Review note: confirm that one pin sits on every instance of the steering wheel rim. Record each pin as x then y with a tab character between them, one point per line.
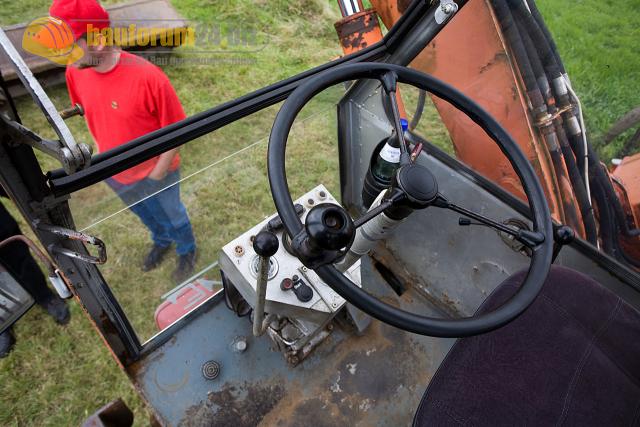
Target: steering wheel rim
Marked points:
541	255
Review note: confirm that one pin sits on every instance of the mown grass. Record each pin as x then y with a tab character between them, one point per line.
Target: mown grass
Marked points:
599	42
59	376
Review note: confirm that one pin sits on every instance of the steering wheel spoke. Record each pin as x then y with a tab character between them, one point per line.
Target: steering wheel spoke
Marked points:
531	239
385	204
390	84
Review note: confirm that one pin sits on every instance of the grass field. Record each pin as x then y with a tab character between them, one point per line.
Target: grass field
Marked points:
59	376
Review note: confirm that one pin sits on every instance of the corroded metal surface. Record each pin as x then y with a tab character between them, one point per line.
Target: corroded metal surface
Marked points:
626	180
373	379
358	31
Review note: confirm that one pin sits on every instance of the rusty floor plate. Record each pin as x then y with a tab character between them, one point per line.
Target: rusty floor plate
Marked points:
374	379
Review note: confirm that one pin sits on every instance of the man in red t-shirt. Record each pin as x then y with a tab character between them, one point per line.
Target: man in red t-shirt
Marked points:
124	97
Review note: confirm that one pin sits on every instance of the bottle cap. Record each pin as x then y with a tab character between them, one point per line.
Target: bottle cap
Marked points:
405	124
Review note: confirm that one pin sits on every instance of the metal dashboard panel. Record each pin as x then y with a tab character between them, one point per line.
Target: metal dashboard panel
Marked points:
239	263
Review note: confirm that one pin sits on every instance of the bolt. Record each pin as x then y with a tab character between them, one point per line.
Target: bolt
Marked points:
447	8
334	304
240	345
330	327
304	268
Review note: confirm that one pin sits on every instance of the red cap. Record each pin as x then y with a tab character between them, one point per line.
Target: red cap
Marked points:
80	13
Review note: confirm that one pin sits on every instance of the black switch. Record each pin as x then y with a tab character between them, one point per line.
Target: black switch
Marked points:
275	224
302	290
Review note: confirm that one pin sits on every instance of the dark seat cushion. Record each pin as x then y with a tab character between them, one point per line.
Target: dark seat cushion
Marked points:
572	358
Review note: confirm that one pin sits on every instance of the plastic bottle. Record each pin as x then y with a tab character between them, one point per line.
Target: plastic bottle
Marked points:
383	168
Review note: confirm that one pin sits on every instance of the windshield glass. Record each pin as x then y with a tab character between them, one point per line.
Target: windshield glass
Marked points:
220	189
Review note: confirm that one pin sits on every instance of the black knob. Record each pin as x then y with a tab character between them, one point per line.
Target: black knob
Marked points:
419	185
302	291
265	244
329	227
563	235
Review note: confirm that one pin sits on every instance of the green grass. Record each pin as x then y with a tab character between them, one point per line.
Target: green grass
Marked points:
599	42
59	376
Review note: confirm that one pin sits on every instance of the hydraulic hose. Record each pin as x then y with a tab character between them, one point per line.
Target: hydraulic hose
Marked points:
579	188
536	65
540	21
422	97
547	56
613	221
534	52
543	103
577	183
518	48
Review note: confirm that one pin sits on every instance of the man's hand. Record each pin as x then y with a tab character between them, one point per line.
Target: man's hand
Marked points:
157	174
164	161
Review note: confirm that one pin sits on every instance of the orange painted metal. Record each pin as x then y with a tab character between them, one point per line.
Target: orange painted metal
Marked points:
359	31
626	180
470	54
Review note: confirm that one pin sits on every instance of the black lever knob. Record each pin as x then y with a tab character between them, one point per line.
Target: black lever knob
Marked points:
329	227
266	244
562	235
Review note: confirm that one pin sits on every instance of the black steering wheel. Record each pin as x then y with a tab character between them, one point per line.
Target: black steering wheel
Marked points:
329	230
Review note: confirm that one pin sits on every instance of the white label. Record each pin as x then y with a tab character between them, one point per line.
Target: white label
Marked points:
390	154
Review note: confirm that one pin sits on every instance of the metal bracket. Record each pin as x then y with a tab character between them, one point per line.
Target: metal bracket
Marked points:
75	235
447	9
73	156
548	119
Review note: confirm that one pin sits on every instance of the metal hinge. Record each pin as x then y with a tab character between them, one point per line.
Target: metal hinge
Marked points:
72	156
75	235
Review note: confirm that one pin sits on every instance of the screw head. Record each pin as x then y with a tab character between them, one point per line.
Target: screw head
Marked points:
211	370
240	346
447	8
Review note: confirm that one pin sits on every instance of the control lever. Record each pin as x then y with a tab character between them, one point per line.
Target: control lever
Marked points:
562	235
265	244
275	224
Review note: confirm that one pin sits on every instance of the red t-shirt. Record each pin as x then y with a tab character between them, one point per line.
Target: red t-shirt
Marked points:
131	100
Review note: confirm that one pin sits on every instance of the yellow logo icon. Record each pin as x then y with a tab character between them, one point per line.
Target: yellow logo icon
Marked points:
51	38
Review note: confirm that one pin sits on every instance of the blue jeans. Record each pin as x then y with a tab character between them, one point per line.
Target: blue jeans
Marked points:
163	214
